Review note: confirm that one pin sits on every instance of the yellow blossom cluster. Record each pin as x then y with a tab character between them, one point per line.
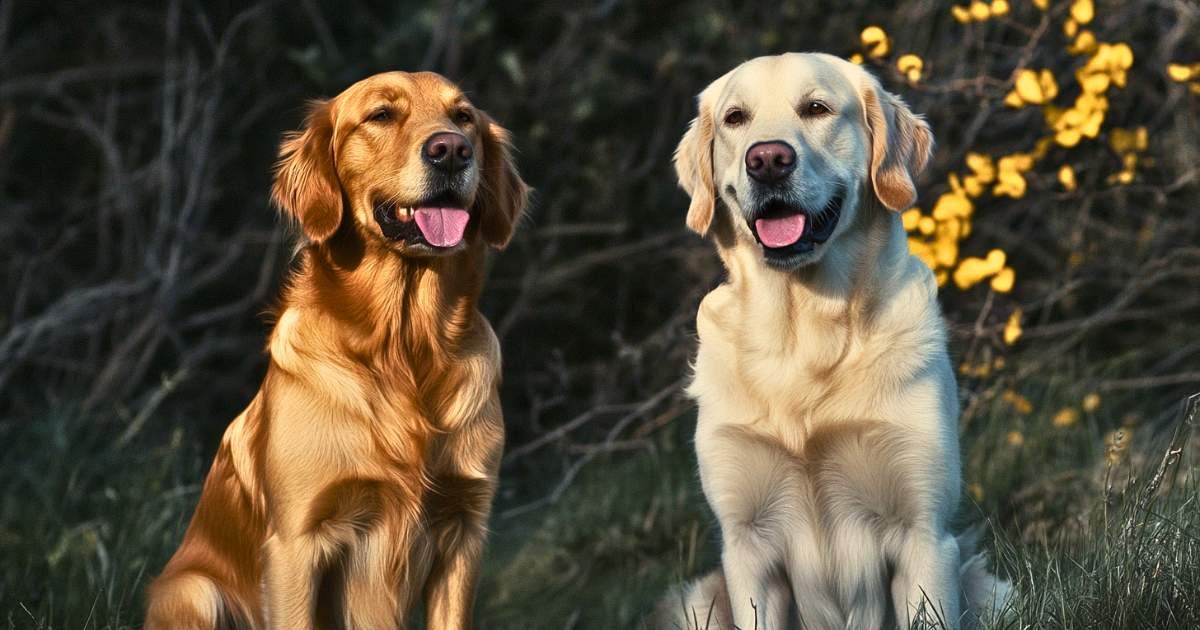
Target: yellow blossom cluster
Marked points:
1069	416
1012	328
979	11
1185	73
982	369
1032	88
1019	403
935	238
876	45
1128	144
910	66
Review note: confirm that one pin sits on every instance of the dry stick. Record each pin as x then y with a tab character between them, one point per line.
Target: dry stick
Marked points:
578	464
1146	382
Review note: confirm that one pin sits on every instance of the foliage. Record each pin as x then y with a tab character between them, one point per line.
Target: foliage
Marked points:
1061	213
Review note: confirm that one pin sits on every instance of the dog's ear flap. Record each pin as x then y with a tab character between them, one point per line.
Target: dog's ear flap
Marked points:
306	184
503	195
901	145
694	167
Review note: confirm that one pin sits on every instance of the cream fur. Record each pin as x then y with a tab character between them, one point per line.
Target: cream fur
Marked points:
827	433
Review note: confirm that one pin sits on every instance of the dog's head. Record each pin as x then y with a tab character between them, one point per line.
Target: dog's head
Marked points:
409	160
790	145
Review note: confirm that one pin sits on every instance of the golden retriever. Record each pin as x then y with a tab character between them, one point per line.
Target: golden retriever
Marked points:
827	432
360	478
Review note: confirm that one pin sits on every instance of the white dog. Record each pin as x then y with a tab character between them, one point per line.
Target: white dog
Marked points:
827	432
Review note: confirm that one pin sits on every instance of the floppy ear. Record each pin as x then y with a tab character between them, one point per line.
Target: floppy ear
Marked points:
901	144
502	193
306	184
694	167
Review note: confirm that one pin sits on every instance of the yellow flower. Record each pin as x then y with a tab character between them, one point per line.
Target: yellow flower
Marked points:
1068	137
971	271
999	7
979	11
961	14
1015	438
1003	281
856	59
1084	43
950	205
1066	177
1042	4
945	248
910	66
1180	72
926	225
1065	417
1128	140
1011	183
982	166
1070	27
1082	11
876	42
1018	402
1036	88
909	218
1042	147
922	251
1012	328
1091	402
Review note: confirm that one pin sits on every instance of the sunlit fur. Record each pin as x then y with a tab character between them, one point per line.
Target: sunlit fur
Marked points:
359	479
827	433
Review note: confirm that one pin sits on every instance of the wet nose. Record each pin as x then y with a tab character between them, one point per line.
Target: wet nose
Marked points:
448	152
769	162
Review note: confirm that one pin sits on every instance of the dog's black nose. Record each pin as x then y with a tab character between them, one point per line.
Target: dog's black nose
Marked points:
769	162
448	152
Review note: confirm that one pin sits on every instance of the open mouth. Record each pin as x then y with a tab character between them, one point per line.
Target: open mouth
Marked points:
440	222
786	230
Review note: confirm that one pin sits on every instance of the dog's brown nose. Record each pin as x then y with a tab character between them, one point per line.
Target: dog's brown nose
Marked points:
448	152
769	162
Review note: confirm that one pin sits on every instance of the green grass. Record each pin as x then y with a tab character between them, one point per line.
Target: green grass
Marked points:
84	525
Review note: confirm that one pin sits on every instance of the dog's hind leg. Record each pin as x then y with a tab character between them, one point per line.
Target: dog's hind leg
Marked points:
192	601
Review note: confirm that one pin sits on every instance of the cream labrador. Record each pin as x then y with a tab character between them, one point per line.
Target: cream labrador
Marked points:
827	433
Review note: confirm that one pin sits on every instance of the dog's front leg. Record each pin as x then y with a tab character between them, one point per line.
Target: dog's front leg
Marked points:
450	591
925	585
291	582
458	511
752	486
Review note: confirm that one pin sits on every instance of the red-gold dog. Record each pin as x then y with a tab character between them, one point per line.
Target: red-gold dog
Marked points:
361	476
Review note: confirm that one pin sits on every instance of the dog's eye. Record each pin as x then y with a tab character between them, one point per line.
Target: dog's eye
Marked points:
815	108
735	117
463	117
381	114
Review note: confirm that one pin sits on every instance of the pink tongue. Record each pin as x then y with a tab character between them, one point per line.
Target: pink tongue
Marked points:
442	227
780	232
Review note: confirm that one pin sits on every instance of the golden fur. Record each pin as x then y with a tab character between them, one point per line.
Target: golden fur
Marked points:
827	431
359	480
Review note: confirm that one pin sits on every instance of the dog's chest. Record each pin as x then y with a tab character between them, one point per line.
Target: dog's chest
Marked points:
798	370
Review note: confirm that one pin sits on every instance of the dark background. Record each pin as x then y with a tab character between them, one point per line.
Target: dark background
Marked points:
139	256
